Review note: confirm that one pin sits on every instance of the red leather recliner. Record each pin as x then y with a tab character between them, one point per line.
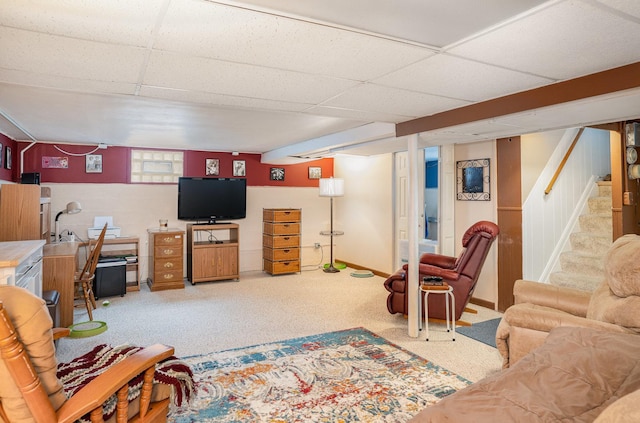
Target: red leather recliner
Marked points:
461	273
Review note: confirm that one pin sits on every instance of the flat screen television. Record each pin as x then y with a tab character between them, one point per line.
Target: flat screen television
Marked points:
208	200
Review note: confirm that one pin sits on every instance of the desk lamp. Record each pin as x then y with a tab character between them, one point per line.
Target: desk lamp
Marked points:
331	187
72	208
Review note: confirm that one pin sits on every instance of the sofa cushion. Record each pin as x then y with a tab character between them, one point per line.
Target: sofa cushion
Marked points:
572	377
32	321
617	299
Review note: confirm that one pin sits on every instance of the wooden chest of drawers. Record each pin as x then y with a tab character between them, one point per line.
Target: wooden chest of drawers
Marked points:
281	240
166	259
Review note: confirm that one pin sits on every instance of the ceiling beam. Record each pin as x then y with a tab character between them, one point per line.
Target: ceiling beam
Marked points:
605	82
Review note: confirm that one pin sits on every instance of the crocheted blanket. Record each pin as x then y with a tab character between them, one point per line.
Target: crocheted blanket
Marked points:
82	370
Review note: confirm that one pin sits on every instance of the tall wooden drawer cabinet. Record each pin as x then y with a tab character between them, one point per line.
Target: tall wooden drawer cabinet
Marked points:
166	270
281	240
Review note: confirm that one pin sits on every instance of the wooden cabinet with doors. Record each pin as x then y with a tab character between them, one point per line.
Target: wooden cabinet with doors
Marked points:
165	259
20	217
281	240
213	252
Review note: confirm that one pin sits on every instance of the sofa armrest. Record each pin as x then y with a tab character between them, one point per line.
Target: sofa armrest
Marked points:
543	319
568	300
438	260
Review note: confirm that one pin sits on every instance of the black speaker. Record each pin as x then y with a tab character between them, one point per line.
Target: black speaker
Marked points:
30	178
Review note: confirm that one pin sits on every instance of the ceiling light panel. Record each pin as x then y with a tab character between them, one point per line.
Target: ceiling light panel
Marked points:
215	76
128	22
460	78
377	98
568	39
217	31
68	57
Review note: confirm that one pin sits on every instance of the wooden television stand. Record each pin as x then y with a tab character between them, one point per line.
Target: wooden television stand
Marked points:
213	252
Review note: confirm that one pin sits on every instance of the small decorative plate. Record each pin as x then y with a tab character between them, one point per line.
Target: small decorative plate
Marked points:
362	273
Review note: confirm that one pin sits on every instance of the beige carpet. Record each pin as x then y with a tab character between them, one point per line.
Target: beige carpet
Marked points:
261	308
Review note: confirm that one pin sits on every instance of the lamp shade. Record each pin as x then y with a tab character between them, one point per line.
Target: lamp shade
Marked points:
73	207
331	187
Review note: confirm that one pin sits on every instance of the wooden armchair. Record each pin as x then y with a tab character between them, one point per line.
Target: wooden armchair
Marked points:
31	391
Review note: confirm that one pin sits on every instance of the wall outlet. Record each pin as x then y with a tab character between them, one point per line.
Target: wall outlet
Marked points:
316	245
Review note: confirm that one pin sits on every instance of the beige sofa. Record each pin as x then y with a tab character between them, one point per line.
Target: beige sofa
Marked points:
577	375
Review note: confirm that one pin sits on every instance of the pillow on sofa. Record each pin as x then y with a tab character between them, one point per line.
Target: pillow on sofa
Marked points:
572	377
32	321
617	299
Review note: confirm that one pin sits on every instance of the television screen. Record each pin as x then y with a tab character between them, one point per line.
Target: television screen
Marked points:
211	199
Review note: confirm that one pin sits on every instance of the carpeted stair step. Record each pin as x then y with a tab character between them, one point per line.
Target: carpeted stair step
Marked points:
604	188
599	205
582	263
570	280
596	223
593	243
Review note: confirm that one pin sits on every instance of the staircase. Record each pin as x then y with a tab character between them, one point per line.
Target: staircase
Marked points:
583	266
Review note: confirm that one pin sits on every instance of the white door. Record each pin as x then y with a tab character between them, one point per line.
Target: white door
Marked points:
402	204
447	186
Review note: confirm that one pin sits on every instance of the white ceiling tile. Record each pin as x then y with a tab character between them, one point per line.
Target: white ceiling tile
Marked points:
449	76
64	83
568	39
220	99
357	114
435	23
629	7
223	32
127	22
215	76
68	57
377	98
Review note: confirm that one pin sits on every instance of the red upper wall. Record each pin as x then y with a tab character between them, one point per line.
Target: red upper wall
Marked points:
116	164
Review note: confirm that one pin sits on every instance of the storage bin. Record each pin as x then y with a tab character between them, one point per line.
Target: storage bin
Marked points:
111	277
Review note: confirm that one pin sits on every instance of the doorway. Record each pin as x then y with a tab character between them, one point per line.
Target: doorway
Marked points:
429	225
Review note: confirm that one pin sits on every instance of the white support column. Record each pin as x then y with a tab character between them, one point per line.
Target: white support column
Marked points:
413	232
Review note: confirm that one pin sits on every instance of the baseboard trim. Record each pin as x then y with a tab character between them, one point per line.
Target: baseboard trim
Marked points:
477	301
358	267
483	303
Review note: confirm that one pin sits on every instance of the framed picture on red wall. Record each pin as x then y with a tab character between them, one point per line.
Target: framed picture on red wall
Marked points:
93	163
1	155
7	157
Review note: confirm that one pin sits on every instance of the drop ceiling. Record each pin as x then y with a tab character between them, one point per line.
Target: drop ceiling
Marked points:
299	79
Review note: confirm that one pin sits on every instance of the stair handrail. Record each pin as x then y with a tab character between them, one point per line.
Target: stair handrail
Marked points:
563	162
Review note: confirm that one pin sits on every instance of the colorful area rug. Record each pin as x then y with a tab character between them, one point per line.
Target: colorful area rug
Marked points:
346	376
484	332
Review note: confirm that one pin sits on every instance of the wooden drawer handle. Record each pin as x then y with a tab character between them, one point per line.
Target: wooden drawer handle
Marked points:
286	238
167	251
168	239
168	265
286	251
168	275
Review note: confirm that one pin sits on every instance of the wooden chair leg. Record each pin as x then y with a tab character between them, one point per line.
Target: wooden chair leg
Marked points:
89	300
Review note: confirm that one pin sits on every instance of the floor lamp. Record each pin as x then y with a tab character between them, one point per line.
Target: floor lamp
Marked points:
331	187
